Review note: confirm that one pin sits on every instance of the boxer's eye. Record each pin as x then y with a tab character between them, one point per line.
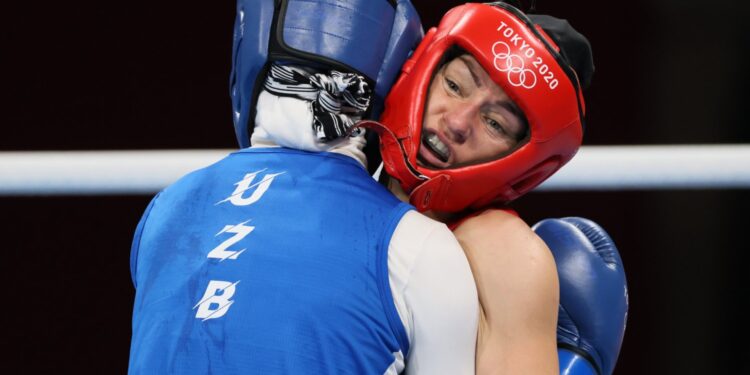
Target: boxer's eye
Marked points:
452	86
495	126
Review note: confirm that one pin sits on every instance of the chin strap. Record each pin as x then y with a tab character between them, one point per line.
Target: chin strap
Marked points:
423	192
429	193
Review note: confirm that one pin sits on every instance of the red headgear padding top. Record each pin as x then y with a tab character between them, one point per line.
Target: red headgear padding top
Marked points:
526	64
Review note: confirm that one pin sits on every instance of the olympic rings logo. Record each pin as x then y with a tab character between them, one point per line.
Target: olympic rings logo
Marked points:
518	74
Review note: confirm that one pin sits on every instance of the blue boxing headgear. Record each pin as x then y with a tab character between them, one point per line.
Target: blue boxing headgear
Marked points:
372	38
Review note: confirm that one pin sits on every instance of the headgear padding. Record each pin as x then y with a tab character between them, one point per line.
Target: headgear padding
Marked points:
524	61
372	38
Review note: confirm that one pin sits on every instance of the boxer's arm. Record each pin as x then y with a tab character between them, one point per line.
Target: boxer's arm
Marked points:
518	291
435	296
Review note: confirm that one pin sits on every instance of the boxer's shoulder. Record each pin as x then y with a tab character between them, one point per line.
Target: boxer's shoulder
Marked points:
513	268
499	231
518	292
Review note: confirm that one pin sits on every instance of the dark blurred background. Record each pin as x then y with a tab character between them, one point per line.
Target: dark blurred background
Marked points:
95	75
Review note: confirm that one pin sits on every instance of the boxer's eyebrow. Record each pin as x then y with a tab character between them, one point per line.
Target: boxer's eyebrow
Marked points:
510	106
474	76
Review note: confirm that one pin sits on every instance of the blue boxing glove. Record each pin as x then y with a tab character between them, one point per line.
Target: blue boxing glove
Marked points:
593	295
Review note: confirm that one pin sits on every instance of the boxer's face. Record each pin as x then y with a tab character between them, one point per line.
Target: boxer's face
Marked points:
468	117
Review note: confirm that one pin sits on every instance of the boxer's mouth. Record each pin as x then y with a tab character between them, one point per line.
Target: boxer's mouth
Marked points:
434	152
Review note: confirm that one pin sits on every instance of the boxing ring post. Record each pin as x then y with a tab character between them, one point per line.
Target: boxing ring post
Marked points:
594	168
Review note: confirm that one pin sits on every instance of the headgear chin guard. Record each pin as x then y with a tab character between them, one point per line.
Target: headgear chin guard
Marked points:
521	58
372	38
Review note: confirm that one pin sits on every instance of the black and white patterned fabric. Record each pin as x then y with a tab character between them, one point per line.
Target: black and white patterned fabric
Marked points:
338	99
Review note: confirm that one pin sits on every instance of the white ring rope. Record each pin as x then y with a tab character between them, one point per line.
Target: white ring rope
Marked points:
655	167
98	172
594	168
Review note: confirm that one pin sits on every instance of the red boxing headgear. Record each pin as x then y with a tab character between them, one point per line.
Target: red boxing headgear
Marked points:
524	61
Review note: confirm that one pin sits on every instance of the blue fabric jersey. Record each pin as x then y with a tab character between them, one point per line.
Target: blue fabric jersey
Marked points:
271	261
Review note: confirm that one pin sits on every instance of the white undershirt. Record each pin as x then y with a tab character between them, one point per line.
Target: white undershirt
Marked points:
435	295
430	278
